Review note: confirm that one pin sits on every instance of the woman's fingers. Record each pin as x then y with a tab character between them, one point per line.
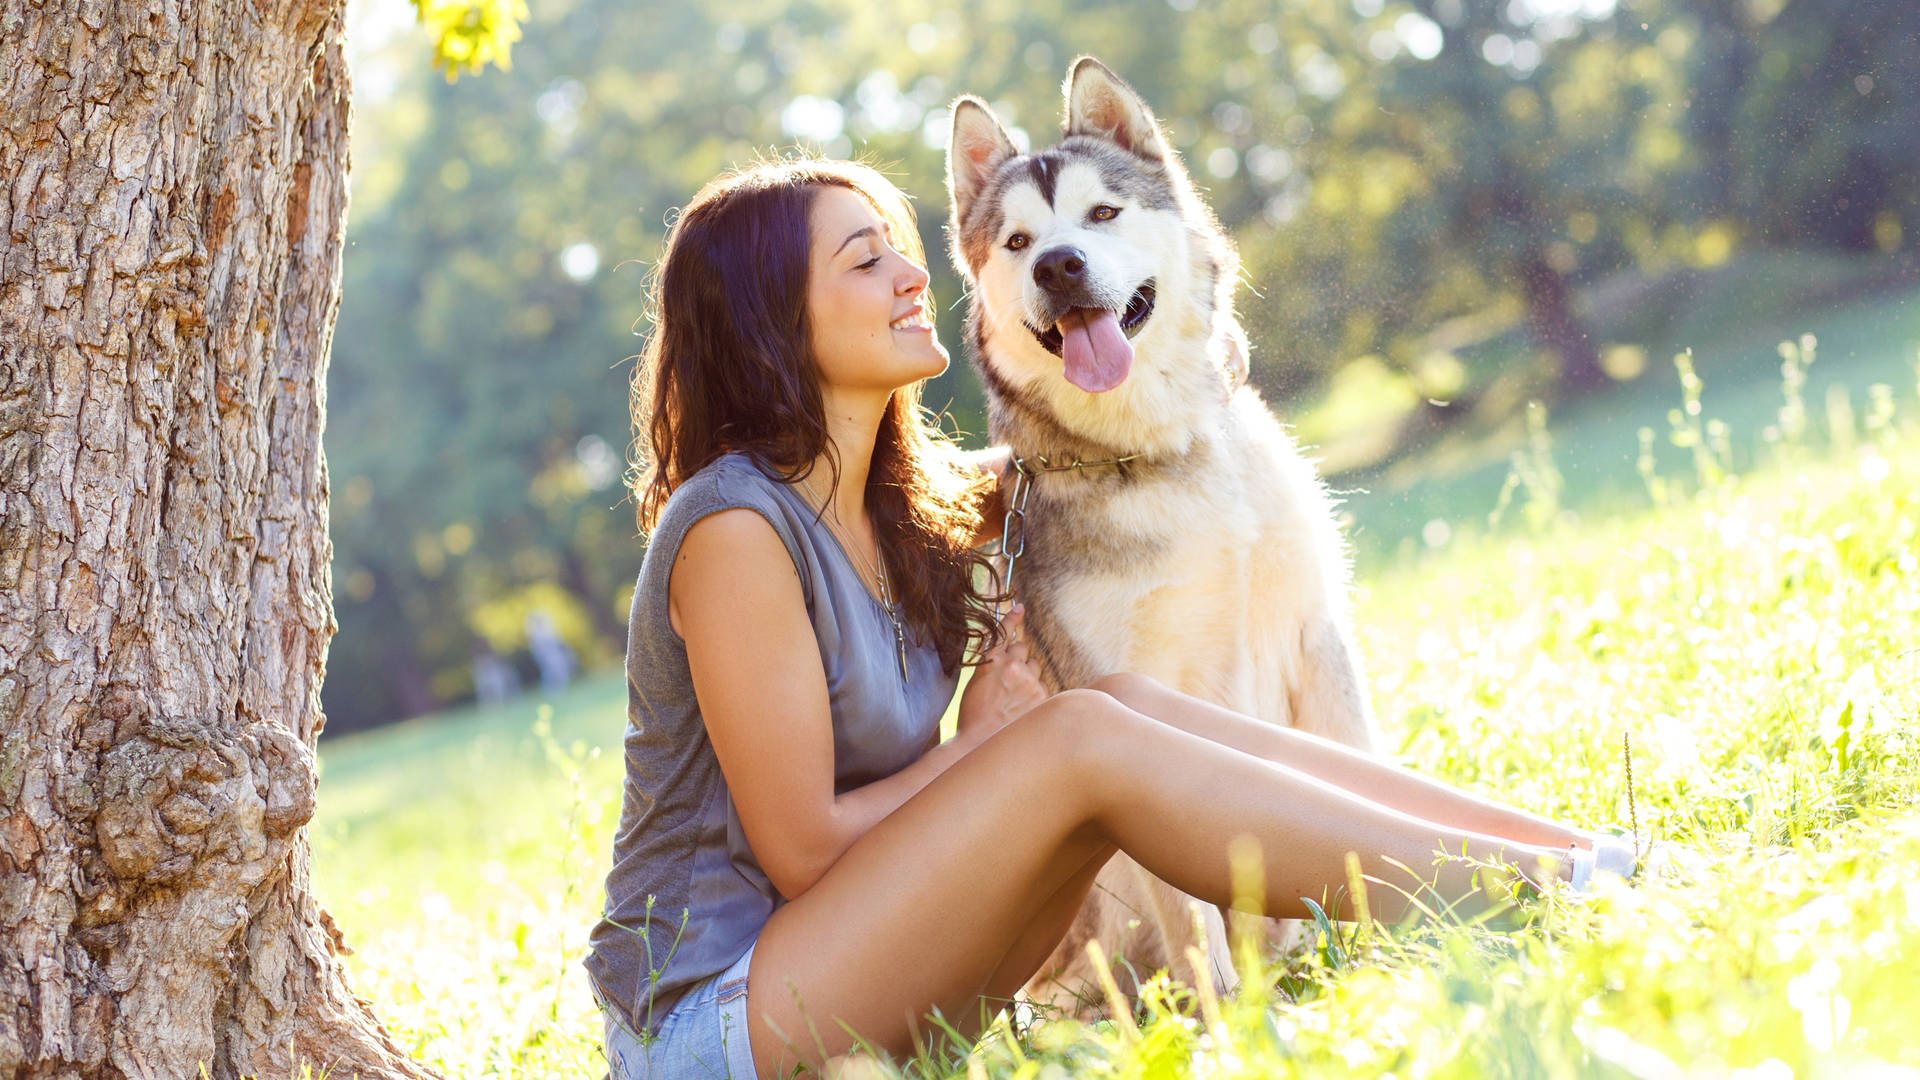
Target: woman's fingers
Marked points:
1015	671
1013	645
1007	681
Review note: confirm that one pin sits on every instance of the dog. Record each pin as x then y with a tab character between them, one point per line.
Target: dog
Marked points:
1194	544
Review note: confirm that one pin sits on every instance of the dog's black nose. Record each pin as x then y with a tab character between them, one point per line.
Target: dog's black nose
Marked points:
1060	268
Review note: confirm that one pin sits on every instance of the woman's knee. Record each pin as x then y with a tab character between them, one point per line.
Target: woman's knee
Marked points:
1078	727
1129	688
1068	716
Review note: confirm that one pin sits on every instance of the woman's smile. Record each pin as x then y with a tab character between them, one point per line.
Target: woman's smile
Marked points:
913	322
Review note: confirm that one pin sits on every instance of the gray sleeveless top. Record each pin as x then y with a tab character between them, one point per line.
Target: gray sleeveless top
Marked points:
680	855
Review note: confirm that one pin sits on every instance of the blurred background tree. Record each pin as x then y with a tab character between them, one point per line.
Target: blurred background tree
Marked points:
1445	208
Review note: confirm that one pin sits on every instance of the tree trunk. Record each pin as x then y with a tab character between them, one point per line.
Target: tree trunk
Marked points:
1552	322
174	191
600	611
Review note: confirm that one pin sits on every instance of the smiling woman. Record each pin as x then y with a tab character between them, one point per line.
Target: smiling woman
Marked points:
791	320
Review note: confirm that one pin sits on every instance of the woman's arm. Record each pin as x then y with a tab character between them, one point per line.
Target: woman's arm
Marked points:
736	601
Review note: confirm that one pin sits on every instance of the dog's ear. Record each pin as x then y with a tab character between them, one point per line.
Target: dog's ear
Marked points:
976	150
1099	103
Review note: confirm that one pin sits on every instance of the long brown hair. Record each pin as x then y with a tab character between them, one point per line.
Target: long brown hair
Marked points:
729	368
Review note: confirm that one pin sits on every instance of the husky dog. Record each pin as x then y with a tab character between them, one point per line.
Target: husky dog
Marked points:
1102	325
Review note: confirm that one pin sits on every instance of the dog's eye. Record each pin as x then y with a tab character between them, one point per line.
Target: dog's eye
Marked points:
1103	212
1018	241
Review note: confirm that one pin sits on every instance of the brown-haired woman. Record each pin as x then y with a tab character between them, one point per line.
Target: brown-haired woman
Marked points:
801	863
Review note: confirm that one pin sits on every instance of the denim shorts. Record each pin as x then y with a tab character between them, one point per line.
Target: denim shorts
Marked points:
704	1036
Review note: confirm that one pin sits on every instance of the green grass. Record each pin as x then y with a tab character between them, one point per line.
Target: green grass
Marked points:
462	856
1731	327
1756	637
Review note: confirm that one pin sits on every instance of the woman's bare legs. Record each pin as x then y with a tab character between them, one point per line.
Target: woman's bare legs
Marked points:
1036	943
1365	776
927	909
1369	777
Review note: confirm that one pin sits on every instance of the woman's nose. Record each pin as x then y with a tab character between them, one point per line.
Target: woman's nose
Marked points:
913	278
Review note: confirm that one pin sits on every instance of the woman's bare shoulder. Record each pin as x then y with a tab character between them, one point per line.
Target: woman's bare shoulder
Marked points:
731	561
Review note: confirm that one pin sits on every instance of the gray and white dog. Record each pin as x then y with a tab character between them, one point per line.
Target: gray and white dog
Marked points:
1102	325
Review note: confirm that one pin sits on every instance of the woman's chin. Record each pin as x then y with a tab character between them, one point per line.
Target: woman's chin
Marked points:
927	363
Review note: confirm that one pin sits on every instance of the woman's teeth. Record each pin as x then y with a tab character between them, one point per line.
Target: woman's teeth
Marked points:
916	320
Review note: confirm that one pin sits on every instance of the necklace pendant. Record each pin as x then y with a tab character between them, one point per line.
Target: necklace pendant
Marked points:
900	641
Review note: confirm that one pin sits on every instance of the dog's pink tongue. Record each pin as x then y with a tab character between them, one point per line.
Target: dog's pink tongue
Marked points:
1098	355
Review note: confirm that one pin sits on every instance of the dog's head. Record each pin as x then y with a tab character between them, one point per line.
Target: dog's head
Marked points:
1094	265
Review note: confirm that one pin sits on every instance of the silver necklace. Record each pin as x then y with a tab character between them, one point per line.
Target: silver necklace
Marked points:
868	567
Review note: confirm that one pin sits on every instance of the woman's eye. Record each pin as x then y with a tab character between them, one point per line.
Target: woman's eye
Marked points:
1018	241
1103	212
869	264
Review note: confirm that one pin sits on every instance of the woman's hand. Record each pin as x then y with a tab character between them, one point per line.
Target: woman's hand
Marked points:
1005	684
993	460
996	462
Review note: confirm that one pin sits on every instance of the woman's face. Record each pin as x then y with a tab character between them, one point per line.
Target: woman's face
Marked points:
869	328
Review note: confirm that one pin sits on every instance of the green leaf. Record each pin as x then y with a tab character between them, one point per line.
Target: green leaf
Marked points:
470	34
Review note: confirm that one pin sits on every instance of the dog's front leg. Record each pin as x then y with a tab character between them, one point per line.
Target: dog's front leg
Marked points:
1330	700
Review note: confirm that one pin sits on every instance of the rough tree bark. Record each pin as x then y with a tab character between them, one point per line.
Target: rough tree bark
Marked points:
172	193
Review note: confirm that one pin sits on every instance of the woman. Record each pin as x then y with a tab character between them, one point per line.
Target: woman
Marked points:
800	862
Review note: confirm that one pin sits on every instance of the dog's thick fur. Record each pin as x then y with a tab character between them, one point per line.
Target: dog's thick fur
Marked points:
1213	561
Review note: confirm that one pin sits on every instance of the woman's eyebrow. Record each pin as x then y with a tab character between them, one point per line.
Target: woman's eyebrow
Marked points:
851	237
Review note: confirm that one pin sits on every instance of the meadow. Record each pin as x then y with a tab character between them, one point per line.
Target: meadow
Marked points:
1717	652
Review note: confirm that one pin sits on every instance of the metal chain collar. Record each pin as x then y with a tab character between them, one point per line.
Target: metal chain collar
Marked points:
1024	471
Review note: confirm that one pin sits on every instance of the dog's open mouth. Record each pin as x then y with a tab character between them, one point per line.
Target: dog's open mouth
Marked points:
1138	308
1094	344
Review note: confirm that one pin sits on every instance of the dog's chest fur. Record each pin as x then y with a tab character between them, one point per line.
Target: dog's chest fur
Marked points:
1200	569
